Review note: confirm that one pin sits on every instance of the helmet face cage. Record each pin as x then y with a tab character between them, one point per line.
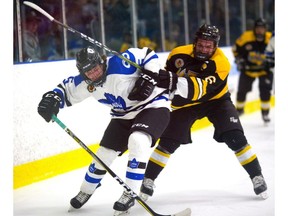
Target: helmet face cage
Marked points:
87	59
206	32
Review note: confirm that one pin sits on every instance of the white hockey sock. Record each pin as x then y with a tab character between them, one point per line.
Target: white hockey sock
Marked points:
95	171
139	145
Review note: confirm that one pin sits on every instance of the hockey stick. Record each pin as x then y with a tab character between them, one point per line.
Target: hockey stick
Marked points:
87	38
186	212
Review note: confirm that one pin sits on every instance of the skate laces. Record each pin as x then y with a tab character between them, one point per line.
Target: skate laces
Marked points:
266	118
258	181
149	183
125	198
82	197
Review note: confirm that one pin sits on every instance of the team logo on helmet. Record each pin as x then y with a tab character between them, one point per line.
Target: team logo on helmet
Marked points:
179	63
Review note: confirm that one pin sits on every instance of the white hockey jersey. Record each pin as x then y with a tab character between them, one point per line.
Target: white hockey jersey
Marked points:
121	77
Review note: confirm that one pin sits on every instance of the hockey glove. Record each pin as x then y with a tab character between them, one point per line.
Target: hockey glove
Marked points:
143	87
165	79
49	105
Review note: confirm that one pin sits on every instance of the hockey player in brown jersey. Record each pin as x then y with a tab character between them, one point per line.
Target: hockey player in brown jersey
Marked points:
206	70
249	52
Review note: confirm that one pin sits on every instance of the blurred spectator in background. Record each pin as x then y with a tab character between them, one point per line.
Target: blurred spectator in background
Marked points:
117	19
148	24
175	38
31	46
82	15
50	35
249	53
146	42
127	40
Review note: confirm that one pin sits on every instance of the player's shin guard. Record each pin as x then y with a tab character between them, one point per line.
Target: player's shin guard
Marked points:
156	164
265	108
92	178
249	161
157	161
138	145
95	171
252	166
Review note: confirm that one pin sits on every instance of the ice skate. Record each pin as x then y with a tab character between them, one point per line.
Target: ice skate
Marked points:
266	119
146	190
260	186
123	205
265	116
79	200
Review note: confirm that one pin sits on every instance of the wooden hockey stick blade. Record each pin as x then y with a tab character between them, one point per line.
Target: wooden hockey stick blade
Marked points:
40	10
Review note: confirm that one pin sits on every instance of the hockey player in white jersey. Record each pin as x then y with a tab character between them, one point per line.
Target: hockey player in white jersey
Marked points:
140	112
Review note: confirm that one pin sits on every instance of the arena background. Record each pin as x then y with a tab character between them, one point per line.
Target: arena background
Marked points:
42	150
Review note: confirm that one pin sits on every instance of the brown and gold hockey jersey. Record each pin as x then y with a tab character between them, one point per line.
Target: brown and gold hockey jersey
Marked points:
202	80
252	52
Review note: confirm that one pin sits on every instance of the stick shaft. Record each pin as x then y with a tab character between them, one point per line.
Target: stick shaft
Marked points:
120	181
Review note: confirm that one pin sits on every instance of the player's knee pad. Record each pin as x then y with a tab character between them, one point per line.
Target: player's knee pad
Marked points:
106	155
168	146
139	143
235	139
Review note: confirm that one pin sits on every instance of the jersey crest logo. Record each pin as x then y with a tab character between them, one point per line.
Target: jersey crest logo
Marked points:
91	88
179	63
204	66
117	103
248	47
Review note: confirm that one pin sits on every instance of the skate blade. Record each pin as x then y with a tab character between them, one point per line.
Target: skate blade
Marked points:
121	213
186	212
71	209
143	196
264	195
